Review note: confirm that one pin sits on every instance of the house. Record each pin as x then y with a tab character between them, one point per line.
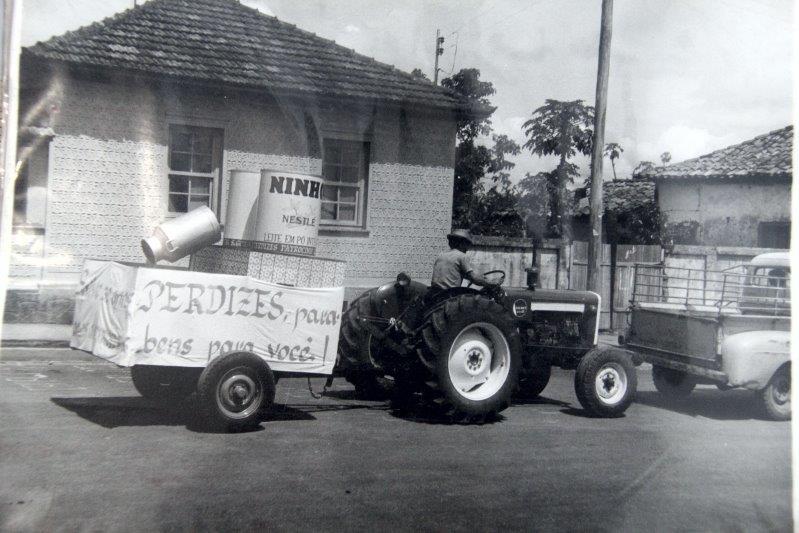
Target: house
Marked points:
736	196
142	116
630	215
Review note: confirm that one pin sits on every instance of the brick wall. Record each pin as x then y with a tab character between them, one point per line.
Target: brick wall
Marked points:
107	183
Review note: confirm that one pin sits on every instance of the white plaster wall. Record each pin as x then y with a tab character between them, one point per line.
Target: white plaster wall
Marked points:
727	213
108	185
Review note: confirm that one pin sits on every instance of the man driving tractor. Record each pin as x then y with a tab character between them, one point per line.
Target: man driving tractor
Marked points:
452	266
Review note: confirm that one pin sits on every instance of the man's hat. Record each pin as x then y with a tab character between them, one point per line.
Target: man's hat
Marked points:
463	234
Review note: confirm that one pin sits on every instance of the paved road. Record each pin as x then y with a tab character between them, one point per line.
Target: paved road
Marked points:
80	450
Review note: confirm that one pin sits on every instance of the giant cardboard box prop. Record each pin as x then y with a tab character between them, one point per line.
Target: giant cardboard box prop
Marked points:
135	315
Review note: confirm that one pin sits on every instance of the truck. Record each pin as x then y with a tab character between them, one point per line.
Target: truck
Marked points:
465	353
729	328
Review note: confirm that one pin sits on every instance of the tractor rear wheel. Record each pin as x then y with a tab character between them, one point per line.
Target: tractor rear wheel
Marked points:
356	344
476	354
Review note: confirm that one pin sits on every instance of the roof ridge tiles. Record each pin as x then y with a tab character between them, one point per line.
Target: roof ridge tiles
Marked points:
226	41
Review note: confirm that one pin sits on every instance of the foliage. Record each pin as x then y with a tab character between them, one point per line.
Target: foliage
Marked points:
467	86
665	157
417	73
536	195
643	169
492	210
640	225
563	129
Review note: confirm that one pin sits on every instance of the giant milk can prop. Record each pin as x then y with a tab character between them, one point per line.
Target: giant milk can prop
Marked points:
242	207
181	236
289	209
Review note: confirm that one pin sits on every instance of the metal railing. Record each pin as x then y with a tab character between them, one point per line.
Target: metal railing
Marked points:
726	290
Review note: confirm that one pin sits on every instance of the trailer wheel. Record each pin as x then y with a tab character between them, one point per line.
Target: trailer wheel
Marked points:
234	389
605	382
164	382
672	383
477	357
776	397
532	382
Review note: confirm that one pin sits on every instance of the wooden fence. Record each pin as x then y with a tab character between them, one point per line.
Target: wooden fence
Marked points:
618	271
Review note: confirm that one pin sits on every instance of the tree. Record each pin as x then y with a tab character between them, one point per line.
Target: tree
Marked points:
491	211
643	169
417	73
474	93
665	157
536	194
562	129
613	151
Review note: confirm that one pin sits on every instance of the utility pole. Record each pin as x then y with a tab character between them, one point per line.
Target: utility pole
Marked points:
439	51
595	247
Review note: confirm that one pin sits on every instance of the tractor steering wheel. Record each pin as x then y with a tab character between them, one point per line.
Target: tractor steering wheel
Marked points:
498	283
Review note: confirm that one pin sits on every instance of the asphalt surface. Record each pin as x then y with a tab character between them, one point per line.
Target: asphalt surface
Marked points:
80	450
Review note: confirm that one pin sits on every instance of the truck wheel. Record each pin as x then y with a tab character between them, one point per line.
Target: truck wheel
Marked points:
672	383
234	389
532	382
358	365
478	356
776	397
164	382
605	382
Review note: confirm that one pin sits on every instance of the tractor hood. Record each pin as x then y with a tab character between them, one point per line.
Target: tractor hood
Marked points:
551	295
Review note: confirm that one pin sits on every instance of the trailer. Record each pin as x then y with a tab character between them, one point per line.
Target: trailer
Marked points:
729	328
226	337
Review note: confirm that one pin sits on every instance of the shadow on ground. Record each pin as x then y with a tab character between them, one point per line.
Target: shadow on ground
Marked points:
709	403
130	411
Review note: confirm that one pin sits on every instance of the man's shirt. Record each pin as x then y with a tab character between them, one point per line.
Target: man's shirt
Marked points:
449	269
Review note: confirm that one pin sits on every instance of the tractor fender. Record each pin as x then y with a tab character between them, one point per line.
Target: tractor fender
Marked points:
391	299
751	358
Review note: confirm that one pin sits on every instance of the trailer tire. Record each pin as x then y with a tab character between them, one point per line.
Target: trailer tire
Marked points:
672	383
471	337
605	382
165	383
532	382
234	389
776	397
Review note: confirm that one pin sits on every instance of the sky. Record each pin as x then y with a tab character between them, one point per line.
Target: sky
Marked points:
686	76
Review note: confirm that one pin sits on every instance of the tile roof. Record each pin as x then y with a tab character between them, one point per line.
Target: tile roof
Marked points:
765	155
620	196
222	41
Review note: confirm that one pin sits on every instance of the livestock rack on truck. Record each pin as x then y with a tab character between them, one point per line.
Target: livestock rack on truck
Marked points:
730	328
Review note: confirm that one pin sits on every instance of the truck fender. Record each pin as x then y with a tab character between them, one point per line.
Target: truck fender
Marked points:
751	358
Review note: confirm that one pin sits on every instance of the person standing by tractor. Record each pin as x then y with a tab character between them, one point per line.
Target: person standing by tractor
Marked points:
453	266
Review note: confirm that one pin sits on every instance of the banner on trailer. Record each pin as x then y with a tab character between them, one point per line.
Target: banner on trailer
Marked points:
179	318
289	208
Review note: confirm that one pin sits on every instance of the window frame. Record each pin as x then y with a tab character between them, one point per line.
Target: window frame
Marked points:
214	177
361	186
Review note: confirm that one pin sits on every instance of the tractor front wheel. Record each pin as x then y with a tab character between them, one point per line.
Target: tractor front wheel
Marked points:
605	382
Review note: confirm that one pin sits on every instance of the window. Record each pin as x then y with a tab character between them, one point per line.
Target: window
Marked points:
195	161
345	171
774	235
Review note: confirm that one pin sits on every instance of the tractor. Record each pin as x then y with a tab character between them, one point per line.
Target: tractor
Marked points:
469	352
